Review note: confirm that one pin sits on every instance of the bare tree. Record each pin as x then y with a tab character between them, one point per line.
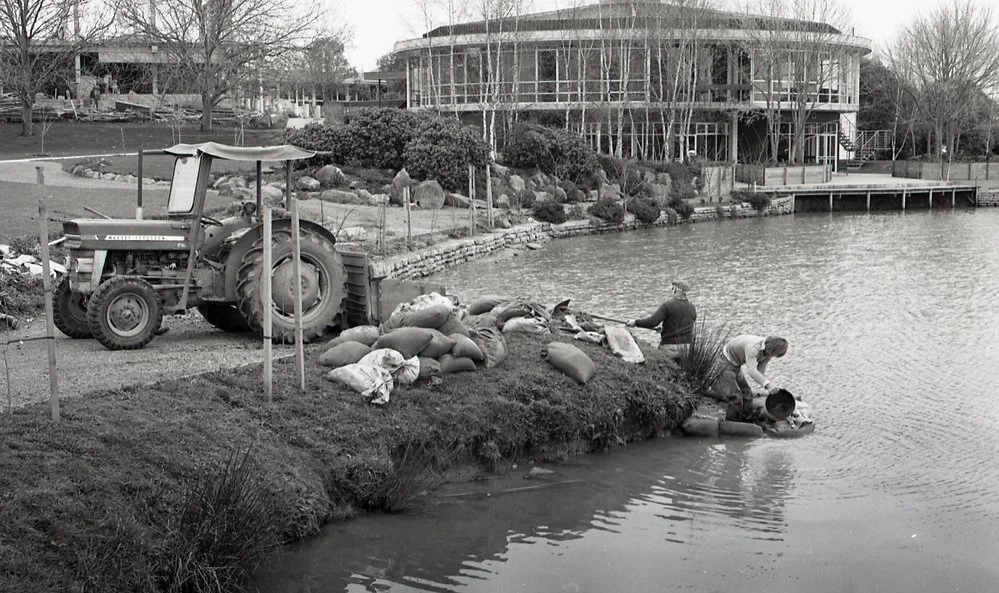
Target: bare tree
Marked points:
217	41
946	60
38	47
797	64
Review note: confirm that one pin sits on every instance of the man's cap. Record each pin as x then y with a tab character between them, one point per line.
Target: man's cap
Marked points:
681	285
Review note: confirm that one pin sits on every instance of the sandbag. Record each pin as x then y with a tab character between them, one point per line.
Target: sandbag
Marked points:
408	373
486	303
526	325
431	317
453	326
492	344
464	347
474	322
622	343
429	368
570	360
439	344
364	334
699	427
451	364
520	307
740	429
386	358
422	302
370	381
408	341
343	354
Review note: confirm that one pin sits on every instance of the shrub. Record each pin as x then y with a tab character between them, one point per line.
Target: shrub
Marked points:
553	151
573	194
646	210
759	201
633	182
524	198
607	210
699	364
614	168
21	294
442	149
334	140
684	209
576	212
549	211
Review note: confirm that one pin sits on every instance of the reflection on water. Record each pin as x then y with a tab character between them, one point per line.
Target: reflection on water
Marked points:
893	341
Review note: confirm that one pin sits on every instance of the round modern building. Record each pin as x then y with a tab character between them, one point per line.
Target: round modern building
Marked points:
648	79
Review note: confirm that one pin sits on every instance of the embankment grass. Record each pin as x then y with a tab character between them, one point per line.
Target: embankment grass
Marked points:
154	488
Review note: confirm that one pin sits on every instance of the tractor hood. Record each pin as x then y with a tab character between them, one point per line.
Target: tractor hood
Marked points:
126	234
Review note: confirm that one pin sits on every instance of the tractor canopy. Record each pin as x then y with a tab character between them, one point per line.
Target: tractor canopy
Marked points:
281	152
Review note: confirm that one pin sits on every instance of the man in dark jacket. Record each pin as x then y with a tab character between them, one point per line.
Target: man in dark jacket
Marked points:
677	316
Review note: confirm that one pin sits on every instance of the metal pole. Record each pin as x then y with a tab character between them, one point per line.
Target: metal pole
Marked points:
296	254
471	200
265	299
138	203
260	198
287	184
43	221
409	217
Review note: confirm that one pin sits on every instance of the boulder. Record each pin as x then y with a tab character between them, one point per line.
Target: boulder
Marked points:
429	194
379	199
331	176
364	194
610	190
659	190
500	170
306	183
664	179
401	181
340	196
271	195
503	201
516	183
560	196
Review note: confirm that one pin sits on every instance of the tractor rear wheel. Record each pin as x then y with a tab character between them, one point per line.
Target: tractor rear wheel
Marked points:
324	286
69	311
224	316
124	313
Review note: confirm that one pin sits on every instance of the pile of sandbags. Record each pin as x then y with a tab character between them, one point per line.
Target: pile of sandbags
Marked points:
422	340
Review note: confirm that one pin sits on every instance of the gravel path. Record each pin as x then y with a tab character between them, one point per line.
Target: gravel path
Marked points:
190	346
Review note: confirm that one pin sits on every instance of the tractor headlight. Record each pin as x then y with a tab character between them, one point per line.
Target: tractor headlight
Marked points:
249	208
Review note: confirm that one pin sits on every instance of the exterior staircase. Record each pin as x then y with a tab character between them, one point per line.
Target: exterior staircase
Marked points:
864	145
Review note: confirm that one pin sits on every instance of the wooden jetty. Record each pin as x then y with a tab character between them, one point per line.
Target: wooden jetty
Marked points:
843	197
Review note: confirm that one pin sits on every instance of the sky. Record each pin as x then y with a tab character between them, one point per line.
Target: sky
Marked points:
378	24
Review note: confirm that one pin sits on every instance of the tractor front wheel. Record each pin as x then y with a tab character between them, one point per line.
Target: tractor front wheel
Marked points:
324	286
124	313
69	311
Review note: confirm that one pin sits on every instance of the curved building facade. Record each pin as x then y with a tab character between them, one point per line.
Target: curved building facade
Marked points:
647	79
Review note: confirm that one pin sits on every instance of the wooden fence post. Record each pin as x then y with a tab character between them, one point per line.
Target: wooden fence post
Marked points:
489	197
296	254
265	299
43	221
409	217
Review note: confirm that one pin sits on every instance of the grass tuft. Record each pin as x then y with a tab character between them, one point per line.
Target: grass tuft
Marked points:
700	366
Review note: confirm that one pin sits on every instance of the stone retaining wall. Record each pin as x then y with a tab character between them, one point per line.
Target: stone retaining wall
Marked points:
447	254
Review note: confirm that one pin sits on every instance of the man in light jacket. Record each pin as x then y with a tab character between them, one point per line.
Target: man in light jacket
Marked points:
746	357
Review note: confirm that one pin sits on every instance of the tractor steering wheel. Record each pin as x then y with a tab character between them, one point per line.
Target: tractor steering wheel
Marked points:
210	220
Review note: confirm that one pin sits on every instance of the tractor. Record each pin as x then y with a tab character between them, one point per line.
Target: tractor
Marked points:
125	274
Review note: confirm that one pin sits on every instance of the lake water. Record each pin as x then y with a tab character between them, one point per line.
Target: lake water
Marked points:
894	341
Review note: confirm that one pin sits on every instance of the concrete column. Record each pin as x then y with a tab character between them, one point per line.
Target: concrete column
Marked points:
733	139
830	196
868	201
931	198
903	200
953	198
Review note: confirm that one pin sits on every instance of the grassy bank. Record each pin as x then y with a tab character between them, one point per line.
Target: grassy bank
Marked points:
185	485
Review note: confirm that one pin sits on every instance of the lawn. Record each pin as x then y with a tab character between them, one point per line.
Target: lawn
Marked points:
73	138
